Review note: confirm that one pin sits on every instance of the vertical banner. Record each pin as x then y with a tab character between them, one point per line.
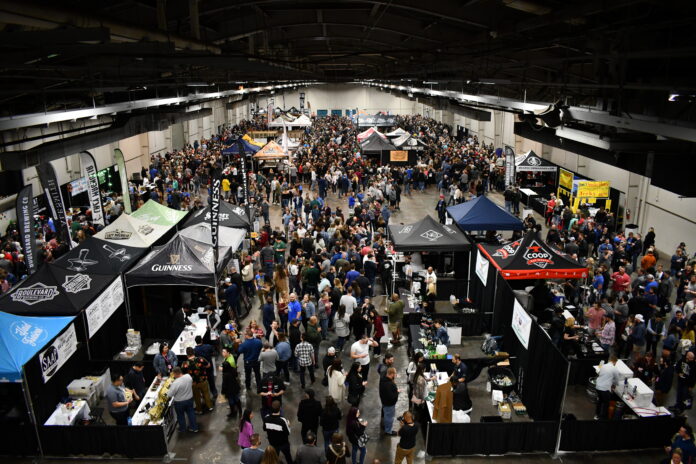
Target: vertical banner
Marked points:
482	268
125	191
52	358
25	224
89	171
49	182
302	97
215	215
509	166
242	166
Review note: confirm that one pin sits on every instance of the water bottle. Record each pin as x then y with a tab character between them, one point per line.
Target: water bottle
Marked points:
635	391
625	389
130	421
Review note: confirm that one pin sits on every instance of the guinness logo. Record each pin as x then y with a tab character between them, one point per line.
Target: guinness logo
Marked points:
174	259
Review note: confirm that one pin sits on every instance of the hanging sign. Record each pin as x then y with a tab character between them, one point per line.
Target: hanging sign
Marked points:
521	324
89	173
593	189
104	306
49	182
52	358
482	267
25	226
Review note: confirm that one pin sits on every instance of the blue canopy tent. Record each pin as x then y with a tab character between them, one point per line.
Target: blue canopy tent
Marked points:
21	338
234	148
483	214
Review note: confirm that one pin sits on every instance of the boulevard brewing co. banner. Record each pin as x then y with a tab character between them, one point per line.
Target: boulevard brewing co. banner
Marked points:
215	215
47	176
242	158
125	191
89	172
53	357
509	166
25	224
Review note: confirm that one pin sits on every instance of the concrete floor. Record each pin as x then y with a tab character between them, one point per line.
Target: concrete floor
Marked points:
216	442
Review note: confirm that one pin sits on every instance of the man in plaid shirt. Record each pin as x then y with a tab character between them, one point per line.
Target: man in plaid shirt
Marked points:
304	352
197	367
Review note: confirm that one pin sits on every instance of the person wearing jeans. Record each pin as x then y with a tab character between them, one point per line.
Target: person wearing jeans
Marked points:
251	349
388	395
607	379
355	428
304	352
181	391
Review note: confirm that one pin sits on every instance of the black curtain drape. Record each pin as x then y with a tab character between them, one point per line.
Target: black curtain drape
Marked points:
132	442
502	310
540	370
481	295
491	438
605	435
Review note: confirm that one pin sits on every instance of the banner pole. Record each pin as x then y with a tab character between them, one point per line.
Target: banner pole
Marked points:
30	410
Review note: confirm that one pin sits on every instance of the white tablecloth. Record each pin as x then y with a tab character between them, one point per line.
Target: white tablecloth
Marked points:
141	414
79	411
528	192
649	411
187	336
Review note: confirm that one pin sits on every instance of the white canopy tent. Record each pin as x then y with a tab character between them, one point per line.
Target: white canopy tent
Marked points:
397	133
130	231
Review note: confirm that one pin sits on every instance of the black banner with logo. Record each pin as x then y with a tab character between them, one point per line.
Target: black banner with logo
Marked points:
89	171
215	214
25	225
302	97
49	182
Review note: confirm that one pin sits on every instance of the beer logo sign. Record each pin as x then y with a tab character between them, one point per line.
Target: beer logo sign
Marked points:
174	259
533	161
49	361
77	283
537	256
145	229
28	333
118	234
449	229
508	250
33	294
406	230
431	235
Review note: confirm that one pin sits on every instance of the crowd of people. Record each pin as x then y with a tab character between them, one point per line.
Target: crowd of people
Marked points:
313	275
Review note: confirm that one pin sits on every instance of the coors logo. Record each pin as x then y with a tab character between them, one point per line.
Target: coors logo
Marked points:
508	250
537	256
34	294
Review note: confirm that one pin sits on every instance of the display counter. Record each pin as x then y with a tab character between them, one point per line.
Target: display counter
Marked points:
527	194
187	338
78	410
155	405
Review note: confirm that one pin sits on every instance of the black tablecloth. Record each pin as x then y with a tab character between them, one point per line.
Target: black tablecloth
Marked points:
442	365
582	367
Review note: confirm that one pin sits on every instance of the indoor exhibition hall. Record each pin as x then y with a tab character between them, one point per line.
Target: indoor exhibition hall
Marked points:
348	231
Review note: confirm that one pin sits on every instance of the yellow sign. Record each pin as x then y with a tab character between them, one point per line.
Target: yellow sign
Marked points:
591	188
565	179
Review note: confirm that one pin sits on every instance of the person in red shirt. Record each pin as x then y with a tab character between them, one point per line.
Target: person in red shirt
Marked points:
549	209
621	282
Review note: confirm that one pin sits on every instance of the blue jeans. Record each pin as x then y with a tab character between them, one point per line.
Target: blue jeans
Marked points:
389	412
324	323
327	438
355	453
183	409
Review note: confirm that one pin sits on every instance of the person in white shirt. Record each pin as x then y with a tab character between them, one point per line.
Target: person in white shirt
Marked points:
349	301
360	352
607	379
181	391
431	278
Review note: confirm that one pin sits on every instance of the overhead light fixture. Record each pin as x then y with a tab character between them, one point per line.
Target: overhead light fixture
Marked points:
197	84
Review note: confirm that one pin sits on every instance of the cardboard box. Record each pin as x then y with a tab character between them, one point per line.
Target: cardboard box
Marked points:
82	388
644	395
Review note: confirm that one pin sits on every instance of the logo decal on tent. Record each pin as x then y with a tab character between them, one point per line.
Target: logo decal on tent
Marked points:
35	294
431	235
80	263
239	211
119	253
174	259
222	216
77	283
406	230
508	250
27	333
145	229
118	234
533	161
537	256
449	229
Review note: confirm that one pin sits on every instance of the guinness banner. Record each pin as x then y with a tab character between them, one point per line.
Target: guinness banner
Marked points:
509	166
215	214
125	191
25	224
47	175
89	172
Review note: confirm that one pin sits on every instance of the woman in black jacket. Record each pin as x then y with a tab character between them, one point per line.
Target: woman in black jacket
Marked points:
308	413
230	382
356	386
329	421
337	452
355	428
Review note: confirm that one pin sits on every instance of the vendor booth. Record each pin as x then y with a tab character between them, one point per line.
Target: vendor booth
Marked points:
365	134
282	120
396	133
269	156
376	146
156	213
482	214
301	121
409	143
133	232
446	249
530	259
536	177
247	147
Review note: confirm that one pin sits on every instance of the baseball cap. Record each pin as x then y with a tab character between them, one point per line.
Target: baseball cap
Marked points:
331	350
227	280
639	317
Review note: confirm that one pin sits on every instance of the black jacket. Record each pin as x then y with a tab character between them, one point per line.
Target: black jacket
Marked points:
330	419
277	429
388	393
308	412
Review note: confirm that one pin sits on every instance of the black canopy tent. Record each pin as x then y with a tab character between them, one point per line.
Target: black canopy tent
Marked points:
375	144
230	216
428	235
530	161
102	256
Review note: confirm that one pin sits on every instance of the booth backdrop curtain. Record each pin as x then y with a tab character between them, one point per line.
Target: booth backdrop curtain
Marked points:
480	295
491	438
111	337
504	302
540	370
604	435
132	442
